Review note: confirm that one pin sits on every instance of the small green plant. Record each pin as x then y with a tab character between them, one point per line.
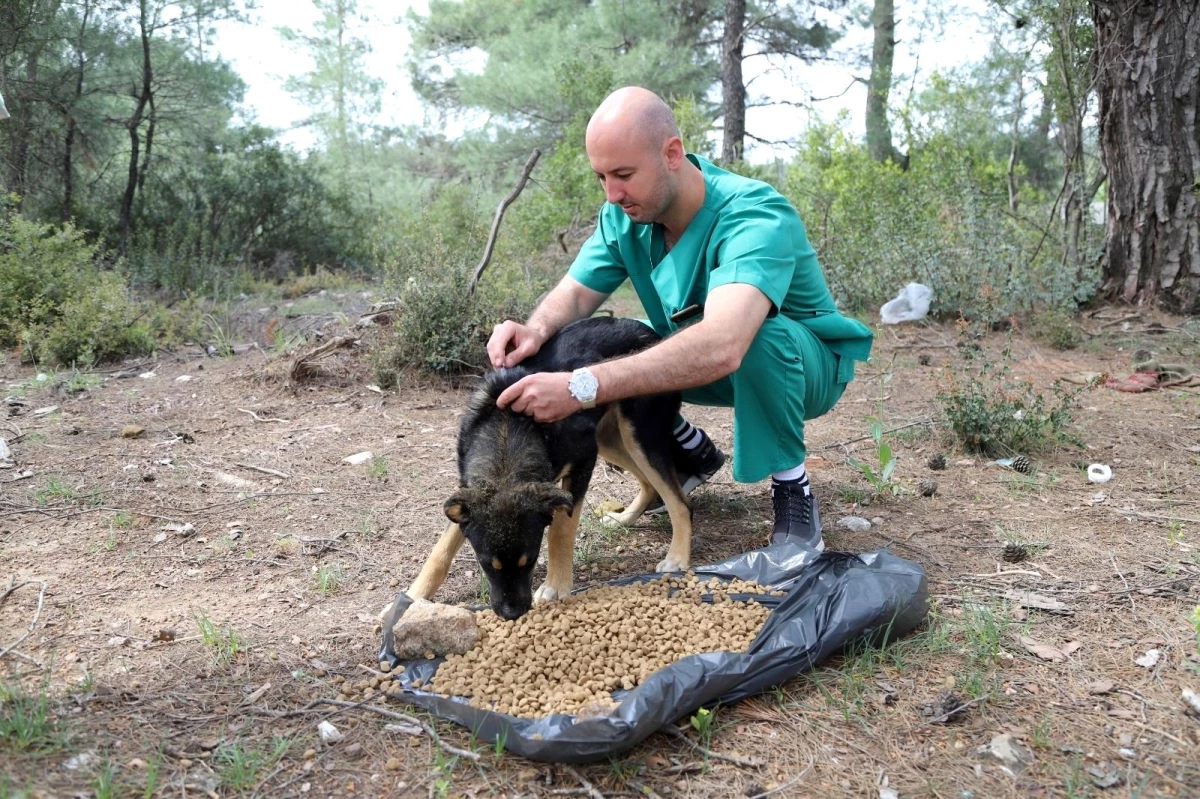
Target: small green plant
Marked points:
702	722
153	767
104	782
224	641
499	744
984	629
27	723
328	578
54	491
1194	619
1040	737
485	590
880	474
122	520
1175	532
444	766
378	468
851	495
993	414
1057	329
219	336
241	766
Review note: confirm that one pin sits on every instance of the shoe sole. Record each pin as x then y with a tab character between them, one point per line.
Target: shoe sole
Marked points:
689	485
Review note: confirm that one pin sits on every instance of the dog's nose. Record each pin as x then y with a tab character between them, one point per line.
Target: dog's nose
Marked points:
512	612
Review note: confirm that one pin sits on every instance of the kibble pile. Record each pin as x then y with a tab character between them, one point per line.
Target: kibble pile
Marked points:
566	656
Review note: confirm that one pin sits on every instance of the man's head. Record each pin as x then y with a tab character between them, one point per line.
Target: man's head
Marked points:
634	146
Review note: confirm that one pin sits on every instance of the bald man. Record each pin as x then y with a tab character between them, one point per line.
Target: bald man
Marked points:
725	272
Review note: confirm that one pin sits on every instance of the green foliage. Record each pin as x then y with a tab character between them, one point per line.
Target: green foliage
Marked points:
27	723
993	414
439	329
702	722
1058	329
880	474
56	304
941	222
223	641
241	766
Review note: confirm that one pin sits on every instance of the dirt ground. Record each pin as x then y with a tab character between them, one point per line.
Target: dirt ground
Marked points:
233	514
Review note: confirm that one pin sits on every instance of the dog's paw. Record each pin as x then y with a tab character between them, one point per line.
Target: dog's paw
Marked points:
548	593
673	564
621	519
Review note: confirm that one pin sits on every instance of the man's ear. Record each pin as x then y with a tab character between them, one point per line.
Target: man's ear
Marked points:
674	152
458	507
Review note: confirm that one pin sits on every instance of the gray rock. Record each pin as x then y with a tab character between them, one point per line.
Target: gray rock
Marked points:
1008	751
856	524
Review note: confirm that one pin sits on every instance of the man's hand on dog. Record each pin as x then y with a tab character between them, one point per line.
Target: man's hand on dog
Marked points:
543	395
511	343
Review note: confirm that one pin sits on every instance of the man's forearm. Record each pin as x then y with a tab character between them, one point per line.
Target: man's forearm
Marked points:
566	302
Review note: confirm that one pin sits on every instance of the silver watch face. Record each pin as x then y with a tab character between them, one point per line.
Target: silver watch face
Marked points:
583	385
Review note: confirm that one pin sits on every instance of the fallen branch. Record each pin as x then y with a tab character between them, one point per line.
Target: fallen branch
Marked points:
507	201
788	784
306	365
262	469
587	786
36	616
958	709
738	761
258	418
885	432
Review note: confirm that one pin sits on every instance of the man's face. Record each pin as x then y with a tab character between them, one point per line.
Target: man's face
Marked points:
639	182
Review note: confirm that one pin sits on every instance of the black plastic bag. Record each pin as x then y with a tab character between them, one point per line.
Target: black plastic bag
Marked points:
833	601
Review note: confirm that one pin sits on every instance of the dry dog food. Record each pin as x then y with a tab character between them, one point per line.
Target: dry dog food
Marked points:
567	656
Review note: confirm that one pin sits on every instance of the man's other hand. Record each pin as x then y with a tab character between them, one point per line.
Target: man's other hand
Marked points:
511	343
543	395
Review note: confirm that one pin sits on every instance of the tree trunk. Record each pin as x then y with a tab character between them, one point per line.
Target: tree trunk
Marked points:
18	162
1148	83
733	89
879	85
69	144
142	95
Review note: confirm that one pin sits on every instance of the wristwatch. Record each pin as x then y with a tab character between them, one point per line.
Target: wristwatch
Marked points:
583	387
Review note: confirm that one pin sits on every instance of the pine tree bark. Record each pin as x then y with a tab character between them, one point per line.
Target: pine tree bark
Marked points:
142	95
879	85
1148	84
733	89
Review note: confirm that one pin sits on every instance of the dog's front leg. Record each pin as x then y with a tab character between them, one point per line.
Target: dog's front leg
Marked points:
436	567
560	555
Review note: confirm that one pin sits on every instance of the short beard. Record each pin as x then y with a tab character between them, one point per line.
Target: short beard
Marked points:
663	198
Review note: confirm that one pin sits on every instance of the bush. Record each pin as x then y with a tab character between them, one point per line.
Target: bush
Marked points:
995	415
56	304
943	222
437	328
1057	329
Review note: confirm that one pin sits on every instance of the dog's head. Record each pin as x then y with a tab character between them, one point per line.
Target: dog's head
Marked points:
505	528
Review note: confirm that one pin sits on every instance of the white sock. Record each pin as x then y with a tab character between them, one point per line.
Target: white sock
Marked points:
788	475
797	475
689	437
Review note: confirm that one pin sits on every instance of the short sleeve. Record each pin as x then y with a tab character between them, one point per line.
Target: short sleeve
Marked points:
757	243
599	265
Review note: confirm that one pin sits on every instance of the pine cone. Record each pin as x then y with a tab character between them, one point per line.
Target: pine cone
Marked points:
937	462
1022	464
928	487
1014	552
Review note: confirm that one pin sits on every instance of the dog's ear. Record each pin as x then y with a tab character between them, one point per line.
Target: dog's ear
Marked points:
458	507
551	497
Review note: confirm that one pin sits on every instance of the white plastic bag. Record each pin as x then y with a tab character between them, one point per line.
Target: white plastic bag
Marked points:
911	304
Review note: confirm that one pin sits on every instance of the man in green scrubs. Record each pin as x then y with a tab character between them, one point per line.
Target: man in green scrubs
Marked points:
758	331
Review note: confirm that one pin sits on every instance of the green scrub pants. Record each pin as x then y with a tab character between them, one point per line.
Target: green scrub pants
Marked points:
787	377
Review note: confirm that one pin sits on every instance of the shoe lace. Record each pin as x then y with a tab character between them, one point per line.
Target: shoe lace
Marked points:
787	507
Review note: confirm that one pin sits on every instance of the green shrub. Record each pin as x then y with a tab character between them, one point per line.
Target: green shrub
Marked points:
992	414
1057	329
56	304
437	328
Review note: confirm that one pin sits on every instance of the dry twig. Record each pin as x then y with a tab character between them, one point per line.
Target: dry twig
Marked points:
262	469
258	418
507	201
9	589
587	786
737	761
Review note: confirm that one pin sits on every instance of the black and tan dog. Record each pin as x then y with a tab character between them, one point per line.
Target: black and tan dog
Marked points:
517	477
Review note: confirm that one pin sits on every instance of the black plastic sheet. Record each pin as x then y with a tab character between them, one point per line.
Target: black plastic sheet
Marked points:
834	600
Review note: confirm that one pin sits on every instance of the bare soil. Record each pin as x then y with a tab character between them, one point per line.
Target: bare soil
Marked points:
299	563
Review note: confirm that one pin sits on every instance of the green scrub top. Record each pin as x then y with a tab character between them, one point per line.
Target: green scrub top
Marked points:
746	232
